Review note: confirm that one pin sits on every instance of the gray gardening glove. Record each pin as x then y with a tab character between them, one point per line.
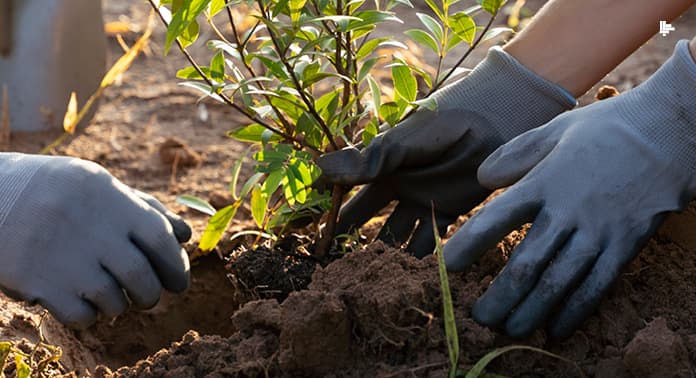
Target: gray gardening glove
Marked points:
433	156
595	182
77	241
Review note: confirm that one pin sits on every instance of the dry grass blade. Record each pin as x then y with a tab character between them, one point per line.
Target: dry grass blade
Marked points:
72	117
481	365
448	307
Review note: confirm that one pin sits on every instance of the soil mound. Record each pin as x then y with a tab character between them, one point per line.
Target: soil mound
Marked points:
377	312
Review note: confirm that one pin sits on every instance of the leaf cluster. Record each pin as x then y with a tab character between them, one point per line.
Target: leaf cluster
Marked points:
304	72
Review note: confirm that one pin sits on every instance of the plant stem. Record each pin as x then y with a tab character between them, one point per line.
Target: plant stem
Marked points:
327	236
461	60
224	97
240	49
296	82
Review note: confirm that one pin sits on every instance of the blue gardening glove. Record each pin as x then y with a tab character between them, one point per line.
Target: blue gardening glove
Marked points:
77	241
595	182
433	156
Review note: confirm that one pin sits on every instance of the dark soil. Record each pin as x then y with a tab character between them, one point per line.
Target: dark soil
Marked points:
264	273
375	312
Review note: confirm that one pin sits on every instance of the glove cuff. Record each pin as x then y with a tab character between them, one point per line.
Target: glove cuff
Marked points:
16	170
512	97
670	120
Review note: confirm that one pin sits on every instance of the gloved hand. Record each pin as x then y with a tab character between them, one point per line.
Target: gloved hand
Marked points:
77	241
433	156
595	182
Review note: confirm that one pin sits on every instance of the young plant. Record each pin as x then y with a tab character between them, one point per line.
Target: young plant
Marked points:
305	74
34	364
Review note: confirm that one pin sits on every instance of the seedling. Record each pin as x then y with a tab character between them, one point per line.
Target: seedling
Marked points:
31	364
305	74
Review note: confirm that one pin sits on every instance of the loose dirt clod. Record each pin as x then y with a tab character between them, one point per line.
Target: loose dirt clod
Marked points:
263	273
657	351
173	150
605	92
315	334
220	199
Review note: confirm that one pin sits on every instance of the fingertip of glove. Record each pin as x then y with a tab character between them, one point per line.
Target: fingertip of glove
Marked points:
182	230
487	173
341	167
481	314
518	328
179	284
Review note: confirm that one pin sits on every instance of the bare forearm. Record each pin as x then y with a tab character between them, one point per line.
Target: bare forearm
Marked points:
576	43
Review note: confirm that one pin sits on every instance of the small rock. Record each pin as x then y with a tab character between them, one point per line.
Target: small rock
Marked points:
316	333
220	199
657	351
611	368
606	91
173	150
264	314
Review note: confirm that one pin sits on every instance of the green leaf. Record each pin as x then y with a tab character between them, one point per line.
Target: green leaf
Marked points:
249	184
492	6
217	67
369	18
494	32
390	112
254	133
367	66
190	34
405	83
428	103
436	10
464	26
22	369
432	25
273	181
229	48
216	227
447	306
206	89
477	370
368	47
182	19
454	41
5	348
293	187
423	38
236	169
296	7
190	73
215	7
376	94
370	132
259	201
196	203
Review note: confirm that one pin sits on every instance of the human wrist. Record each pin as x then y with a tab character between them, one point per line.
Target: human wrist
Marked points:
510	96
16	171
663	108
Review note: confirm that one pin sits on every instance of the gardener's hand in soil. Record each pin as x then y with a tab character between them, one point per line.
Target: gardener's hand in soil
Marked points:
595	182
79	242
433	156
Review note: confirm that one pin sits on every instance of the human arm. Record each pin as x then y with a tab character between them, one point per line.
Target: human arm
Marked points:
75	239
576	43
